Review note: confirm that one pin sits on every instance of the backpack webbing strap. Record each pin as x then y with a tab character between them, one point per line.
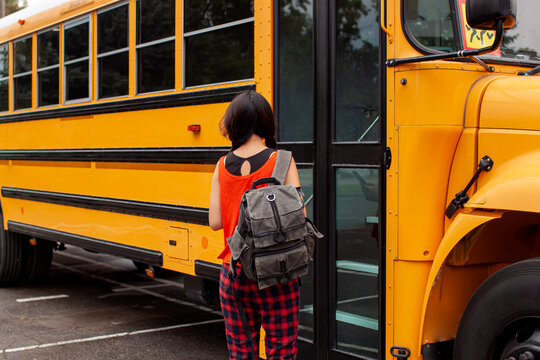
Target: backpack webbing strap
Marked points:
241	312
281	168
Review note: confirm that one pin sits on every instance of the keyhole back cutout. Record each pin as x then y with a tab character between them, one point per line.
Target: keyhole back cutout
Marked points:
246	168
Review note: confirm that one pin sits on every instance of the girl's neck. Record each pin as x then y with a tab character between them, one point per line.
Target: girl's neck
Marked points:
254	145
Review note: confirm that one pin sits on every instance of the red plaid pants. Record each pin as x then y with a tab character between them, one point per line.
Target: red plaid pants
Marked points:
275	308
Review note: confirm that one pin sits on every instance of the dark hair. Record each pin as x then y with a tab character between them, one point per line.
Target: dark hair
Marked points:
249	113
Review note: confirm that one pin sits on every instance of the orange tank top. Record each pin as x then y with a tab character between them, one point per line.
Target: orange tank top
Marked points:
232	187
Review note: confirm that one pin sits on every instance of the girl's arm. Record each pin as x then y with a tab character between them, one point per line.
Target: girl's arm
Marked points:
214	211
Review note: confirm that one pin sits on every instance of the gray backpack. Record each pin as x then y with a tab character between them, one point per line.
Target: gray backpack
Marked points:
273	240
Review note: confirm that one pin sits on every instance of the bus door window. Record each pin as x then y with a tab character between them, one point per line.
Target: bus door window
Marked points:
112	52
48	67
295	70
4	77
22	73
357	64
357	260
218	41
155	45
77	60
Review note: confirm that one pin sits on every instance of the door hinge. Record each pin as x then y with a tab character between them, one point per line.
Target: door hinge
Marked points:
387	158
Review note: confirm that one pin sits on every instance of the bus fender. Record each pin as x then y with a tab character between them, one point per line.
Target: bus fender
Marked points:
514	186
463	224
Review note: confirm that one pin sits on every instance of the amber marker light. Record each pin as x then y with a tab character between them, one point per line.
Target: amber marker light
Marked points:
149	271
33	242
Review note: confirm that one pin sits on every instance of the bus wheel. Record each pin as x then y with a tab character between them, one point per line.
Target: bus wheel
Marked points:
37	260
11	257
502	320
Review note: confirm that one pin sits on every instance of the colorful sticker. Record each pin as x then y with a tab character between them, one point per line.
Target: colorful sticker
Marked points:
475	38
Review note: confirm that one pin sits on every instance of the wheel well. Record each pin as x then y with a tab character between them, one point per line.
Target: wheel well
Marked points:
488	248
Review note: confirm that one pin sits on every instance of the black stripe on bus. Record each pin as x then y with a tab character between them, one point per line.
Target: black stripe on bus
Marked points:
146	256
153	102
193	215
207	270
200	155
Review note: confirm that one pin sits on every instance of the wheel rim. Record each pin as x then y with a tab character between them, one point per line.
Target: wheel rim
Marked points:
520	340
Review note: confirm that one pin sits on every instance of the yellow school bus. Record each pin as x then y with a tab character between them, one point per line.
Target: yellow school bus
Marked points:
415	130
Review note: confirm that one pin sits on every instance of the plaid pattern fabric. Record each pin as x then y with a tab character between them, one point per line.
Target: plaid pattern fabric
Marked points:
275	308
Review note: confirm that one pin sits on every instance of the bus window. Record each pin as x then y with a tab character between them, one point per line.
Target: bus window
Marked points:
218	41
430	22
77	60
4	77
113	48
295	34
22	73
155	45
48	66
357	68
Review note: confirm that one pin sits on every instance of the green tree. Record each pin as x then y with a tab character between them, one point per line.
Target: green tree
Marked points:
14	5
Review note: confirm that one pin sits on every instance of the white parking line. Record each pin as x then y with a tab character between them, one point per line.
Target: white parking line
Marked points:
109	336
137	289
40	298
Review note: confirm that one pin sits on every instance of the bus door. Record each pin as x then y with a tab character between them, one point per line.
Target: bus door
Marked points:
328	96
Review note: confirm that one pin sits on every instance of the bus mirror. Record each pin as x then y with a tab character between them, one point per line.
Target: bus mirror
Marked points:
484	14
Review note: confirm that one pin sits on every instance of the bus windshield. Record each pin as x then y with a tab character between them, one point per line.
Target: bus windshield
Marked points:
431	24
522	41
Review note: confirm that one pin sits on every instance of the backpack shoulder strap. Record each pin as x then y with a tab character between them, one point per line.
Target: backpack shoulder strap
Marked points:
283	162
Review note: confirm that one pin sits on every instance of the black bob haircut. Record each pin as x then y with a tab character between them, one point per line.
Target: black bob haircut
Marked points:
249	113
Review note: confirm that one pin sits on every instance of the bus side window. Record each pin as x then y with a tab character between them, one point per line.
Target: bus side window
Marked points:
4	77
155	45
113	49
218	41
22	73
77	60
48	67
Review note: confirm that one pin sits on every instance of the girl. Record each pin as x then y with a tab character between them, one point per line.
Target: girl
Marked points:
250	125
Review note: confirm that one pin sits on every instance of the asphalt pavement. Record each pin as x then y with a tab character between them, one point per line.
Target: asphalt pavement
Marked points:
95	306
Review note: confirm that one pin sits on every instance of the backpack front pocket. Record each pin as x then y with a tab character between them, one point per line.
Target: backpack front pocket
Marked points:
280	266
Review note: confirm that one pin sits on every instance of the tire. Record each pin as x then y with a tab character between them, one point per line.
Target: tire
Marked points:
11	257
36	260
502	319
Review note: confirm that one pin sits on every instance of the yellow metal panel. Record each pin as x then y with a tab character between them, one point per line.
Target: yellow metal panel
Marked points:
61	64
474	100
149	128
461	226
263	48
512	103
175	184
10	69
179	45
514	181
463	167
93	56
424	165
34	71
132	41
178	244
409	285
432	96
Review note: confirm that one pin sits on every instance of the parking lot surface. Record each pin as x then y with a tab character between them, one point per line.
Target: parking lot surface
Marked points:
95	306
